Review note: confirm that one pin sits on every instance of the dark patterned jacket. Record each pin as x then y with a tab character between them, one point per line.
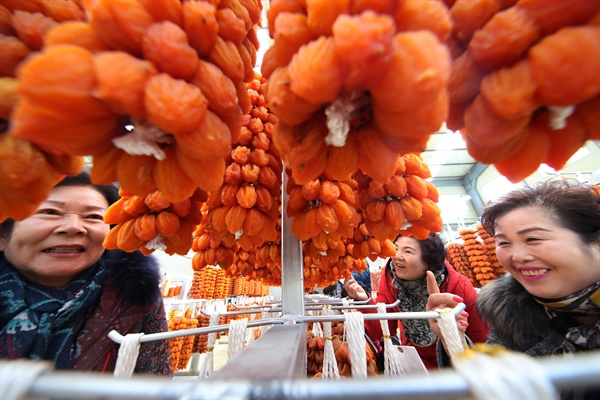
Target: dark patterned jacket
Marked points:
519	323
130	302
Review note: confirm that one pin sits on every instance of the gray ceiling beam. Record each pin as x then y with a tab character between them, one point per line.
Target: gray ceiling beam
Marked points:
437	182
470	185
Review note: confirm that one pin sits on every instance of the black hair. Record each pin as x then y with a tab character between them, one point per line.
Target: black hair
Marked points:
574	205
110	193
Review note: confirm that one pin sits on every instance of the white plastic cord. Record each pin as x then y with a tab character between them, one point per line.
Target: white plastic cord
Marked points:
237	329
208	363
266	315
317	330
452	340
392	359
128	354
251	331
493	372
17	376
355	330
330	367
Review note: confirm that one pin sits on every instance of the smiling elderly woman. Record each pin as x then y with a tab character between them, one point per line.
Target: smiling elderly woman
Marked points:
61	293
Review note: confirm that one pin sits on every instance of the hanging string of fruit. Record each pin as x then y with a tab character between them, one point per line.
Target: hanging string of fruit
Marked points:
154	91
515	106
243	216
457	256
404	204
490	247
333	111
153	222
27	171
476	252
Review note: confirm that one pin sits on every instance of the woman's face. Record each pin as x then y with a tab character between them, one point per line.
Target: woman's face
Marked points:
61	239
408	261
550	261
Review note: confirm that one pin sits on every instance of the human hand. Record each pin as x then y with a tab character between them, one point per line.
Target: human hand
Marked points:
437	300
354	290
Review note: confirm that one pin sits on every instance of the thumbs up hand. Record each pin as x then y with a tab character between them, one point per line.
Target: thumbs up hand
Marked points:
439	300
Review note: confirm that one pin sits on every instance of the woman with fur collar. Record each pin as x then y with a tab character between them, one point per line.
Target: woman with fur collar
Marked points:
61	292
548	239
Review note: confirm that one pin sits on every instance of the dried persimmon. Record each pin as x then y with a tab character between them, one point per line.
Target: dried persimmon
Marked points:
570	80
323	13
200	24
471	15
488	128
210	139
31	27
61	11
504	40
166	45
78	33
289	107
62	79
315	72
291	32
174	105
511	92
225	55
413	15
550	16
165	10
363	46
121	25
13	52
382	167
418	71
216	86
122	79
528	158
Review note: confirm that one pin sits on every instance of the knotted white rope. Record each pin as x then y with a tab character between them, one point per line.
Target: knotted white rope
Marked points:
507	374
208	363
330	367
17	376
450	334
265	314
237	330
251	331
391	356
355	331
128	355
317	330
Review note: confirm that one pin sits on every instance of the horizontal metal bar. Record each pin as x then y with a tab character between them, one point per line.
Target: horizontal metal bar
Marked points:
362	307
579	371
379	316
286	319
117	337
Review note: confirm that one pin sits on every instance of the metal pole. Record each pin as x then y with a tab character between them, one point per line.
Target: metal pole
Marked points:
292	270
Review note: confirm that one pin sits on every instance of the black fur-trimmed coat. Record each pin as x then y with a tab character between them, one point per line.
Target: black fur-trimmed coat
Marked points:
519	323
130	302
